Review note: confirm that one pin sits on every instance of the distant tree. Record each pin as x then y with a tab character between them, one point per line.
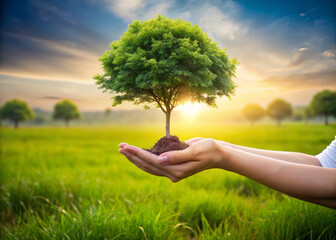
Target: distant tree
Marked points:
67	111
253	112
1	118
308	114
16	111
166	62
324	103
107	112
279	109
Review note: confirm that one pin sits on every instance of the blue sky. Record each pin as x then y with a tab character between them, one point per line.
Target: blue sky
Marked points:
49	49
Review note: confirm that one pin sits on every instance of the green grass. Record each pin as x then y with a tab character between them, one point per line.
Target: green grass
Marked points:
73	184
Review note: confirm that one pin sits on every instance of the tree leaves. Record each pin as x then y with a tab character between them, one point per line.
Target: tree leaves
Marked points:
16	110
66	110
166	62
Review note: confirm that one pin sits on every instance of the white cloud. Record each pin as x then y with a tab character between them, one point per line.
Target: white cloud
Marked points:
329	53
124	8
219	24
138	9
159	8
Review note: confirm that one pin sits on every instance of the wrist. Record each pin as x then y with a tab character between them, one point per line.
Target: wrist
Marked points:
223	159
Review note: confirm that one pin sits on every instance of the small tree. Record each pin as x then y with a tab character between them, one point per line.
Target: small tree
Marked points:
324	103
107	112
67	111
253	112
166	62
16	111
279	109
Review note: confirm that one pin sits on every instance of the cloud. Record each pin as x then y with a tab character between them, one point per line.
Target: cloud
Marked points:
159	8
125	9
51	97
138	9
314	80
329	53
38	58
222	25
45	10
53	46
302	56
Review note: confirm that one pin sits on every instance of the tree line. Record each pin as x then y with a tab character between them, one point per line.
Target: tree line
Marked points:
322	104
18	111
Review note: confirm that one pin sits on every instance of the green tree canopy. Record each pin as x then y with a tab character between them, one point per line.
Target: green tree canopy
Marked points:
165	62
279	109
66	110
16	111
324	103
253	112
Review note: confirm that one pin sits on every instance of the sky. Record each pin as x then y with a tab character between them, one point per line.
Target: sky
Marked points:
49	50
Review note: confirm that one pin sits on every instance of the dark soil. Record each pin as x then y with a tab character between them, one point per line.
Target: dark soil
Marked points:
167	144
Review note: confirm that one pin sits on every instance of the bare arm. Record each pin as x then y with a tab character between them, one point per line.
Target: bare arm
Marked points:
310	183
293	157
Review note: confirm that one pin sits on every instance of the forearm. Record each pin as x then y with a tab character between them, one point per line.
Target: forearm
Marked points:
293	157
305	182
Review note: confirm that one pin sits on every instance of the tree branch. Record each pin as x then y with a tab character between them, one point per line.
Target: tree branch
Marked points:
174	96
157	100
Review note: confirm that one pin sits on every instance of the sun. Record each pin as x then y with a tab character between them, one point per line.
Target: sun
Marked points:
190	110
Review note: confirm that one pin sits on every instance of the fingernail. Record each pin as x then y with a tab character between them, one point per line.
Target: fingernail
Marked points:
163	160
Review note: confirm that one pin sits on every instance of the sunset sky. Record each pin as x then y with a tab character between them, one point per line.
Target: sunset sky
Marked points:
49	49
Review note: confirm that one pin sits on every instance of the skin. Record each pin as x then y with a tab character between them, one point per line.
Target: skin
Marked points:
295	174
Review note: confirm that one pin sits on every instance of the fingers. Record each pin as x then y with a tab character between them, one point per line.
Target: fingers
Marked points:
179	165
175	157
168	158
122	145
146	156
141	164
183	170
193	140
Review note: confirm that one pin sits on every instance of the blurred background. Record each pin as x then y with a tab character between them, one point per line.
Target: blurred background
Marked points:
50	49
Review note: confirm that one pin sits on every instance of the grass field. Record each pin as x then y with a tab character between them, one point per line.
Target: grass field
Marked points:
73	184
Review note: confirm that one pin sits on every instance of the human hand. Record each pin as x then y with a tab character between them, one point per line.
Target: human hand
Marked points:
201	154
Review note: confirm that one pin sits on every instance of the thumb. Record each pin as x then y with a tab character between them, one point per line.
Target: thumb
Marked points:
175	157
193	140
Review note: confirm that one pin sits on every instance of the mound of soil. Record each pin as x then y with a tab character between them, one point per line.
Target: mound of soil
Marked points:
167	144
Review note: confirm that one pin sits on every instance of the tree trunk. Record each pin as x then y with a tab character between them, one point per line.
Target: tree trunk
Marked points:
16	124
326	119
168	113
67	123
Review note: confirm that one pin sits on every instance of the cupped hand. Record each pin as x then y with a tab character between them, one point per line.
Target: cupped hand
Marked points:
201	154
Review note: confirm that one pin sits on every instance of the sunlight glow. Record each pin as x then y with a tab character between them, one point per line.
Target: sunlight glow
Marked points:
190	110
